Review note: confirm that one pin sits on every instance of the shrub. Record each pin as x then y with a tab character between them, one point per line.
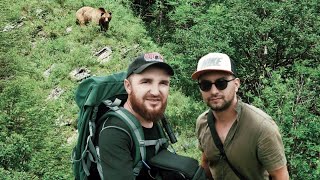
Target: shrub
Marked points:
182	113
5	174
15	152
294	103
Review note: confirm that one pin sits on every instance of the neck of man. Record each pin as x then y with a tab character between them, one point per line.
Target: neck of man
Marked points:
144	122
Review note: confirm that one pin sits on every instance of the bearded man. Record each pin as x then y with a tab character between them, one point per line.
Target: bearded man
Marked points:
147	85
237	140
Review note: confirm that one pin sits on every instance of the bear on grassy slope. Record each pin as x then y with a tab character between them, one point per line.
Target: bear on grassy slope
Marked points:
99	16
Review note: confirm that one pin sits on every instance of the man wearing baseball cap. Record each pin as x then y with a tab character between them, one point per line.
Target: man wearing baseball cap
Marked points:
237	140
147	85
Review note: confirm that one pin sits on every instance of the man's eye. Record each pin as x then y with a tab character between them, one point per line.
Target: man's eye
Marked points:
165	83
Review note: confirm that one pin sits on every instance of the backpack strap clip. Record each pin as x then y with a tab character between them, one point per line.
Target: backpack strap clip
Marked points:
157	143
137	168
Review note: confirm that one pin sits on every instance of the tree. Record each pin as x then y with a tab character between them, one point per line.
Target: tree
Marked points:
264	39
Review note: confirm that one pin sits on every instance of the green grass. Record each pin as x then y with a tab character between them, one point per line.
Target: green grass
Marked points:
35	35
43	42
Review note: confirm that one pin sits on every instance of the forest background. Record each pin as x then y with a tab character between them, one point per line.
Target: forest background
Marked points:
276	45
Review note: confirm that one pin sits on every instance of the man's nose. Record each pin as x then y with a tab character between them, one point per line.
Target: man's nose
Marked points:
214	89
155	90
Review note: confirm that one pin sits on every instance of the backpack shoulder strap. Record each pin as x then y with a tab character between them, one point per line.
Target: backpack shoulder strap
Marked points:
218	143
82	159
137	135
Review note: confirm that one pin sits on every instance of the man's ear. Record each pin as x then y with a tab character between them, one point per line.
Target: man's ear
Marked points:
237	84
127	86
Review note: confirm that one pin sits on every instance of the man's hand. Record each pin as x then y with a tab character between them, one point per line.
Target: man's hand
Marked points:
205	166
280	174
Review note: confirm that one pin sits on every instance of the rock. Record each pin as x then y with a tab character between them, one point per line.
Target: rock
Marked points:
47	73
8	27
104	55
14	25
73	138
55	93
69	29
79	74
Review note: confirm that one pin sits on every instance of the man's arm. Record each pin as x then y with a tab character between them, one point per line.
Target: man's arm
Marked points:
271	151
280	174
205	166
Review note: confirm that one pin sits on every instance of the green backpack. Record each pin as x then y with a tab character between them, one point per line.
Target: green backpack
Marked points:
99	98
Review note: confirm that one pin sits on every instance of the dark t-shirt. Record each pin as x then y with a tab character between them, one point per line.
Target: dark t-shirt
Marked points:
117	149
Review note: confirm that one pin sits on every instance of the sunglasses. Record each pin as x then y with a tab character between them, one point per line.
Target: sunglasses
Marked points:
220	84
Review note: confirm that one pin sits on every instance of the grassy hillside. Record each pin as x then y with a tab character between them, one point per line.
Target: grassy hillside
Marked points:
276	45
42	45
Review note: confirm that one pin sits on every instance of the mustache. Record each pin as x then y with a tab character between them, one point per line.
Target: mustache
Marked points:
214	96
151	97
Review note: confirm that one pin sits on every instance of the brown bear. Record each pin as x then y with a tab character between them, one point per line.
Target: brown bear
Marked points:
99	16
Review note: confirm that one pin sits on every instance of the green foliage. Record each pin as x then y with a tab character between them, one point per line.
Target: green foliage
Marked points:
37	132
295	105
56	157
16	100
15	152
262	37
275	45
8	63
182	113
30	131
258	35
5	174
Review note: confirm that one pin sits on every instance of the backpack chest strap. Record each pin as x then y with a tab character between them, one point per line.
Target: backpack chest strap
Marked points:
156	143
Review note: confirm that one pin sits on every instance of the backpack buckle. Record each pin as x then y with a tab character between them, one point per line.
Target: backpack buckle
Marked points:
142	143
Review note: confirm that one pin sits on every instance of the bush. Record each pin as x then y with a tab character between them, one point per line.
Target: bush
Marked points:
5	174
275	45
182	113
29	133
257	35
294	103
15	152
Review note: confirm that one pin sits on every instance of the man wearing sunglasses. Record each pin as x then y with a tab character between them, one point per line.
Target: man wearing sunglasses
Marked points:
237	140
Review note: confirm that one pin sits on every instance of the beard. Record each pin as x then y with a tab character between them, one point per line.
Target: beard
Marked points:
219	108
154	114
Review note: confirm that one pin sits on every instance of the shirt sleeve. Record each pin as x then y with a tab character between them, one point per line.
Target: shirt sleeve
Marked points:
115	153
198	135
201	125
270	147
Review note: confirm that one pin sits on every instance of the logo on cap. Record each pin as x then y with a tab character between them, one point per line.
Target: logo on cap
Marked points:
153	57
213	61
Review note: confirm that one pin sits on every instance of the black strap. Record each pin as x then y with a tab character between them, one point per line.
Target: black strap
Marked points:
218	143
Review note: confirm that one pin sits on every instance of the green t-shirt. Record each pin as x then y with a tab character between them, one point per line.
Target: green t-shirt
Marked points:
117	150
253	145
